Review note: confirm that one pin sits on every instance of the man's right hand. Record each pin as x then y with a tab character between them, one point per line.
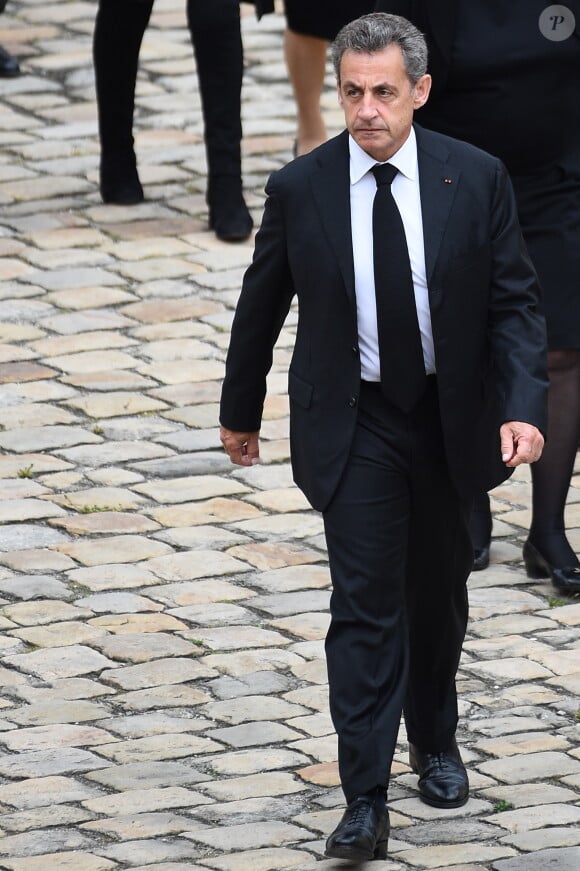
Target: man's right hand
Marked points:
243	448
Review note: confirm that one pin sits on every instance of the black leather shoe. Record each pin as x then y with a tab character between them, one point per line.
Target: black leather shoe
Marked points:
363	832
480	558
229	217
119	179
8	65
565	579
442	776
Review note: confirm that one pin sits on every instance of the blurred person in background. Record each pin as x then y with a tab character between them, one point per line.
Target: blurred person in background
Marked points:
310	27
8	64
506	78
215	33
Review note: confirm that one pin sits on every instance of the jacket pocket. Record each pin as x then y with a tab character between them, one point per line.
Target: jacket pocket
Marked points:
299	391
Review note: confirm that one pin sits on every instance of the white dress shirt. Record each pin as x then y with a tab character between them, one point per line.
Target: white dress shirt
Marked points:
406	193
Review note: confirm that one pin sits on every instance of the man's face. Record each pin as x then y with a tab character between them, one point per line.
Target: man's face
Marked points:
379	100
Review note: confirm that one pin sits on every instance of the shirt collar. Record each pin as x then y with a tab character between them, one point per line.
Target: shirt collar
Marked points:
405	159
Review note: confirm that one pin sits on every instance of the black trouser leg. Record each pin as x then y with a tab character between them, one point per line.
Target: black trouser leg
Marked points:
217	42
438	565
119	29
399	555
366	528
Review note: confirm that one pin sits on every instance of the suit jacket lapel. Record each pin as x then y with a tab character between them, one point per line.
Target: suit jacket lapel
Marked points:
330	183
438	182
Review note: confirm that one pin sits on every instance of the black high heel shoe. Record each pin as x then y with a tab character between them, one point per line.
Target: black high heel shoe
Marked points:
565	579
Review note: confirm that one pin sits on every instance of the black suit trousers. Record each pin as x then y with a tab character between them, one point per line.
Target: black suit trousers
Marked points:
400	554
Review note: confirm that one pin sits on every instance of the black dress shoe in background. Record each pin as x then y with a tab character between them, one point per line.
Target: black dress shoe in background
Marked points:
565	579
363	832
8	65
442	776
480	528
480	558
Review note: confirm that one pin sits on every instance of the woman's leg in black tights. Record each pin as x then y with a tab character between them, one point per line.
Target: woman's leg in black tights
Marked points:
217	42
119	29
551	475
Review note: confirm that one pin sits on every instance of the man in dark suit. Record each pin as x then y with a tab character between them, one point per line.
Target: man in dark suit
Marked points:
417	331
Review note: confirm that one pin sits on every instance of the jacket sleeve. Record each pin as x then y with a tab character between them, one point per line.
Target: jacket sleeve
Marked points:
517	326
264	302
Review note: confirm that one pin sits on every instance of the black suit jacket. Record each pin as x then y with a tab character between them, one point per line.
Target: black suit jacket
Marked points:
489	338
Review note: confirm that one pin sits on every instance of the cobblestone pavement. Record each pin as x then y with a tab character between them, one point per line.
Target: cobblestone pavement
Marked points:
163	701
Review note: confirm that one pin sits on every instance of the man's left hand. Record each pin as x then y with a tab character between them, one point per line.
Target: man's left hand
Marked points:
520	443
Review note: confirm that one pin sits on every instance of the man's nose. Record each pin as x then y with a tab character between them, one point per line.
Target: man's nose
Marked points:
367	106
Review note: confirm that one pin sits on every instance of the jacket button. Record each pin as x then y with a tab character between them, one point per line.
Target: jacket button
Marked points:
352	401
354	349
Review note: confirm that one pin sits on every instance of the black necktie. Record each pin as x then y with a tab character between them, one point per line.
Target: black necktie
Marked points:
403	378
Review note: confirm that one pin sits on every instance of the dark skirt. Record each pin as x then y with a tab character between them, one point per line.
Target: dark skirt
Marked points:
324	18
549	212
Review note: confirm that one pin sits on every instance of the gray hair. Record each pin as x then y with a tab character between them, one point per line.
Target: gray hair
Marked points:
371	33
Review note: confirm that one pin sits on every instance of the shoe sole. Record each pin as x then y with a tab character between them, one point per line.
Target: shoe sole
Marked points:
129	201
232	238
353	855
433	802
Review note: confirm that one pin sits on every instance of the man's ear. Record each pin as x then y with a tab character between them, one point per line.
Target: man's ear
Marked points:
339	93
421	91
